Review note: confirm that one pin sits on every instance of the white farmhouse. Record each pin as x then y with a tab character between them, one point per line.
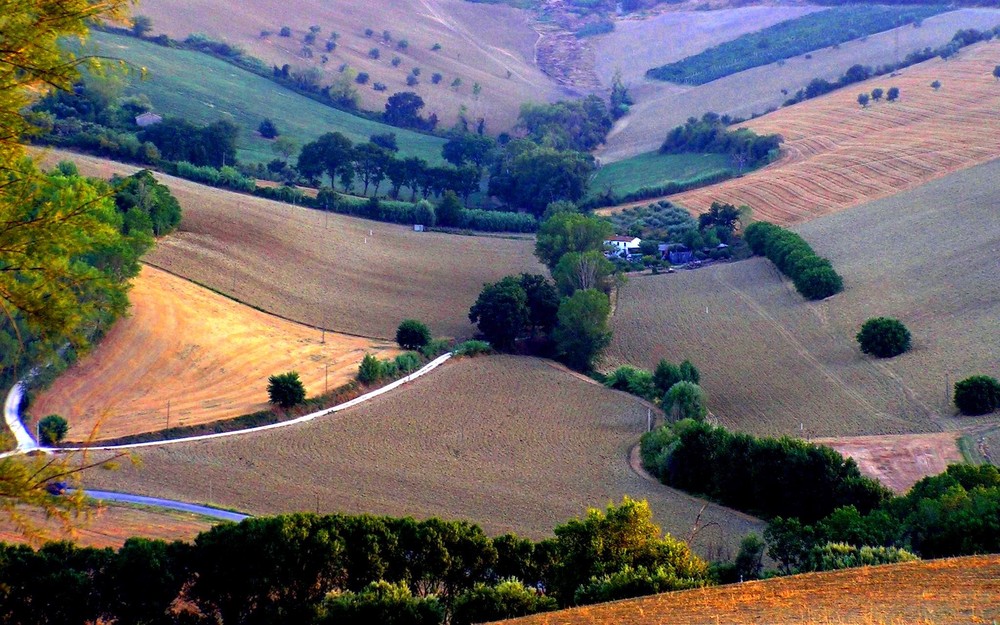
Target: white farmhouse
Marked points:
623	246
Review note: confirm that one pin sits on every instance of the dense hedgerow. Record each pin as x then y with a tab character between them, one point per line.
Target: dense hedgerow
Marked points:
813	275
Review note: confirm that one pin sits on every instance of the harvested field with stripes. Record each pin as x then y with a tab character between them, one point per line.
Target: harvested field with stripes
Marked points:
953	591
838	154
185	356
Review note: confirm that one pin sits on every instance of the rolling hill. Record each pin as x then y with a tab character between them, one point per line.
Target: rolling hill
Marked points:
326	270
486	44
773	363
940	592
187	355
512	443
662	106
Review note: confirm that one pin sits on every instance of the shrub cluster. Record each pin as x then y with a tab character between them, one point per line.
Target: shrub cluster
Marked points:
813	275
373	370
763	476
709	134
652	386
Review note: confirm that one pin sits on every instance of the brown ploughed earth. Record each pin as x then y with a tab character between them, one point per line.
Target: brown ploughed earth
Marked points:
204	355
899	461
510	443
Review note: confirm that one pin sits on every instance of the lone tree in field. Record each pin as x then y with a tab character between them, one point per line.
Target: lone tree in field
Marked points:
267	129
142	24
884	337
976	395
863	99
286	389
52	429
996	72
877	94
936	85
893	94
412	334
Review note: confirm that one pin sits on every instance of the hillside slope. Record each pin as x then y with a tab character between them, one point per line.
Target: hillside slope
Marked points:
512	443
326	270
492	45
205	356
943	592
662	106
838	154
774	363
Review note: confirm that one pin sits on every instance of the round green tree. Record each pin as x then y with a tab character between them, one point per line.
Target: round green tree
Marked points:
501	313
884	337
286	389
412	334
685	400
52	429
976	395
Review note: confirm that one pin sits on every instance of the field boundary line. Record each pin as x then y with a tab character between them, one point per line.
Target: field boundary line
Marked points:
432	365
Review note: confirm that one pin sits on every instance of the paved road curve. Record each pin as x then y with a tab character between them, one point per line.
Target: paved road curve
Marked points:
215	513
13	418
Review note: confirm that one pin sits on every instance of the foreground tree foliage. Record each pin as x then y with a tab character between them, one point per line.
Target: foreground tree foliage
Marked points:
305	568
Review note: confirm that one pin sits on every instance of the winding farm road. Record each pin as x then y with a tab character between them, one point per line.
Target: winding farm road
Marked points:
12	416
215	513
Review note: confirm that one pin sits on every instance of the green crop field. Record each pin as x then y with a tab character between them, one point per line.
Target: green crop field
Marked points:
788	39
653	169
204	89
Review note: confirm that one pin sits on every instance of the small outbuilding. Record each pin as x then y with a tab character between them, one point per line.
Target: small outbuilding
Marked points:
147	119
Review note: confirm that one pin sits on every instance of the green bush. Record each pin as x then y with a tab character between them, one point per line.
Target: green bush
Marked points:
52	429
884	337
435	348
286	389
833	556
508	599
380	602
371	369
473	348
632	380
685	400
407	362
412	334
978	394
633	582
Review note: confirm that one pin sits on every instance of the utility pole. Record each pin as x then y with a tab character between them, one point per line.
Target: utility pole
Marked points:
326	378
168	414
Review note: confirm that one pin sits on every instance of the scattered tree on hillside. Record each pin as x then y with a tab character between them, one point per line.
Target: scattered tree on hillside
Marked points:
141	24
996	72
412	334
620	98
403	109
863	99
284	147
331	154
582	332
286	389
877	94
52	429
893	94
501	312
884	337
285	31
685	400
977	395
374	53
267	129
936	85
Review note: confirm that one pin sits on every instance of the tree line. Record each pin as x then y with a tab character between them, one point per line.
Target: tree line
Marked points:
813	275
709	134
306	568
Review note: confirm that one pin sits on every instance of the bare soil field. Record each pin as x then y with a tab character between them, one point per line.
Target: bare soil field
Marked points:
511	443
773	363
661	106
899	461
492	45
111	525
940	592
206	355
838	154
326	270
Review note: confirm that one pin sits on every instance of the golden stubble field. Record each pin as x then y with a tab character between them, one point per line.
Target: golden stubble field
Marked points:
838	154
492	45
773	363
326	270
938	592
660	106
511	443
110	525
206	355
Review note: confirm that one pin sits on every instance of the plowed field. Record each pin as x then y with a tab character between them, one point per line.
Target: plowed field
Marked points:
774	363
325	270
939	592
206	355
514	444
838	154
